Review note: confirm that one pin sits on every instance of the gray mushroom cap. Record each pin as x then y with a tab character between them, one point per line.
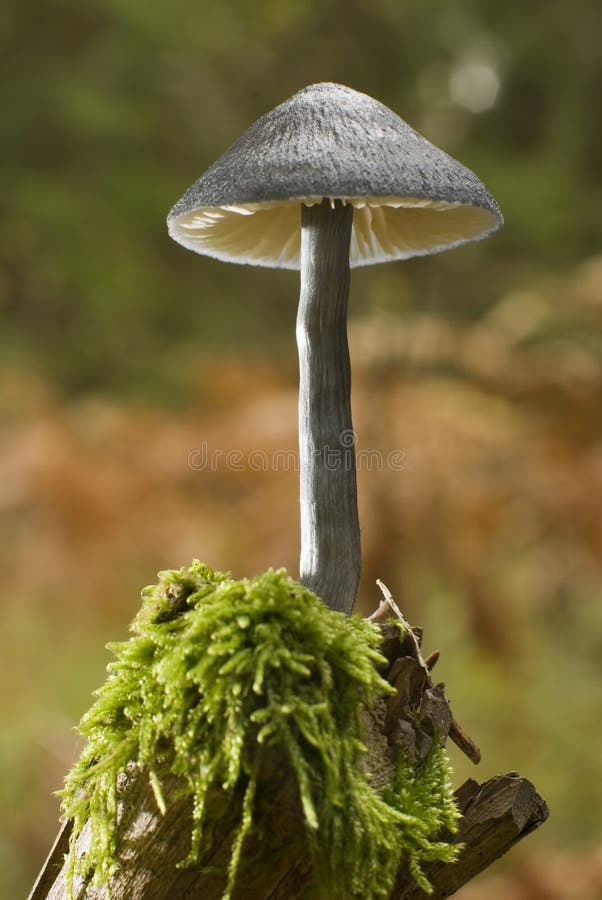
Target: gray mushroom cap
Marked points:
329	141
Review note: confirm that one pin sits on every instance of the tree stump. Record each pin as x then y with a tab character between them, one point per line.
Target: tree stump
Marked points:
277	864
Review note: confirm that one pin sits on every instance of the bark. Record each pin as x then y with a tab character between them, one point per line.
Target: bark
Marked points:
496	815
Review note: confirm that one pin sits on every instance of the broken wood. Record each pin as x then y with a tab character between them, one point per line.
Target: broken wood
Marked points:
495	816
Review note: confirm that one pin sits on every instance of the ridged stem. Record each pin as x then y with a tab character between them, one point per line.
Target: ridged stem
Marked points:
330	536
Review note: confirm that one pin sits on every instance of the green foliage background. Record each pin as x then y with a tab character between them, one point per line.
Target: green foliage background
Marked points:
112	109
109	110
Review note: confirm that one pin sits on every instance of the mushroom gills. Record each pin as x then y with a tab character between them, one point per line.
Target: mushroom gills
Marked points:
384	228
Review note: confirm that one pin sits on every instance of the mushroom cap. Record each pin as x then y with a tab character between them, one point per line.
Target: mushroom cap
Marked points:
329	141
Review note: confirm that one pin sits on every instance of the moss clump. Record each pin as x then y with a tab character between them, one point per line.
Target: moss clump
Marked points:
218	674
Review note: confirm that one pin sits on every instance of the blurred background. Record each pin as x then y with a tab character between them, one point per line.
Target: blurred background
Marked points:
124	358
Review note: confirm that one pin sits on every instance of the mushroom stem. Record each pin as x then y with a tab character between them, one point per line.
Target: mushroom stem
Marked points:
330	535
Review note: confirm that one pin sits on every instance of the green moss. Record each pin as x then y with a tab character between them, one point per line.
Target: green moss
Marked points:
219	673
425	802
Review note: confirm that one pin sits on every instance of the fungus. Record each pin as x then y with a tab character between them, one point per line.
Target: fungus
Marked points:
328	180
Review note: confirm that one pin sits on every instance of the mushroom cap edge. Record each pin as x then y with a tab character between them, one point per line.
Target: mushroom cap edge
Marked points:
331	142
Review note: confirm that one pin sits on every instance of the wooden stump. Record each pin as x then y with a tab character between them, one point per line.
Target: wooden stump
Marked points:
495	815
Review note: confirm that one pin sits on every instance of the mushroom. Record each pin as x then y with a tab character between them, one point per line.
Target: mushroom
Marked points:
327	180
